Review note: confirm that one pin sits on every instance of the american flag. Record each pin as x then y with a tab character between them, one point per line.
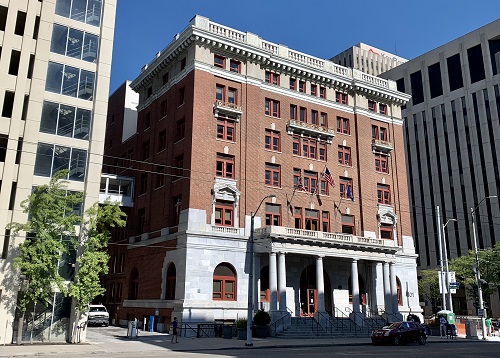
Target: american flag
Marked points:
328	177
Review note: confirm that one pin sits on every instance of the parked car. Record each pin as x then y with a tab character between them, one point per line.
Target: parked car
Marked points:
400	333
98	314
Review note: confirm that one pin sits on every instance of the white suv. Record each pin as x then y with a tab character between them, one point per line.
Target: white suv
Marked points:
98	314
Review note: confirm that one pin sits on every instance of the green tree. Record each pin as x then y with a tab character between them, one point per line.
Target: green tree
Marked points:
50	219
428	286
93	258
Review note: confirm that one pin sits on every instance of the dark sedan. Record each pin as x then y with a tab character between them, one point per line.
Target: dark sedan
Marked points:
400	333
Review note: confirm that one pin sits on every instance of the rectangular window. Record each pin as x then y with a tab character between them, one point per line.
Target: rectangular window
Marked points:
234	66
348	226
297	216
15	57
314	117
163	109
87	11
52	158
141	222
343	125
20	23
183	63
150	91
314	90
6	244
164	79
341	97
8	104
272	107
325	221
302	86
310	180
219	92
145	150
272	140
296	145
219	61
386	231
476	64
231	96
162	140
160	176
293	111
272	78
372	105
224	213
182	96
70	81
180	132
435	83
379	133
344	155
344	183
323	119
381	163
417	89
273	175
147	121
383	194
297	178
143	184
67	121
273	214
226	129
312	219
309	149
382	108
74	43
322	150
13	191
224	166
303	114
178	169
322	92
293	84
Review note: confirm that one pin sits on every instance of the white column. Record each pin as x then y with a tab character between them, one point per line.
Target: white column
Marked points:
256	287
282	281
273	282
355	285
387	289
375	281
320	284
394	288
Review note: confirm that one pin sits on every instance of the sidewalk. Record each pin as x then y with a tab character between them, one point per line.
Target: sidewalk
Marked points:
115	341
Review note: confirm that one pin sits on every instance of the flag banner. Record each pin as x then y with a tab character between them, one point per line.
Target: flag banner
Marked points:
289	204
328	177
319	199
300	186
349	193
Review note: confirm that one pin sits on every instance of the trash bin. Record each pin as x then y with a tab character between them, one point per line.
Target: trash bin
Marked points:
132	329
227	331
470	329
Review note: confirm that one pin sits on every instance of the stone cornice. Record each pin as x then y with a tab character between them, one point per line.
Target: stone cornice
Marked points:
279	58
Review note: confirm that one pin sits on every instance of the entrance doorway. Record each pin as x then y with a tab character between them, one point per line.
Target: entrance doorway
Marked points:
308	294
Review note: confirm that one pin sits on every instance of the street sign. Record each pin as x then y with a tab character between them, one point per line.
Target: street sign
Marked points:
454	285
480	312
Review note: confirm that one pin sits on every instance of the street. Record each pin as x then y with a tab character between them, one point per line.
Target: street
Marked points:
111	342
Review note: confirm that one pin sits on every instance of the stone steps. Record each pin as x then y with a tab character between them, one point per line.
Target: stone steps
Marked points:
307	328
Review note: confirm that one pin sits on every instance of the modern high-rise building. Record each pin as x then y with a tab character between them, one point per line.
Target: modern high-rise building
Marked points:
55	62
452	145
232	127
368	59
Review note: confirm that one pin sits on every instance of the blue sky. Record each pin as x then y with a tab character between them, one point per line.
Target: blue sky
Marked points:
321	28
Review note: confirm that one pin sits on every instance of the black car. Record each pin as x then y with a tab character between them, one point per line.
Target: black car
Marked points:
400	333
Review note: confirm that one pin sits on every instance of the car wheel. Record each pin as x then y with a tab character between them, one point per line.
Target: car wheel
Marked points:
422	339
396	341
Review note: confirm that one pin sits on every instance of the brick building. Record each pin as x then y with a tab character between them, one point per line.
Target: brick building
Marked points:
225	120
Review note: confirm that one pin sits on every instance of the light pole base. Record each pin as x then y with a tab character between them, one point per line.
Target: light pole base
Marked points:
248	344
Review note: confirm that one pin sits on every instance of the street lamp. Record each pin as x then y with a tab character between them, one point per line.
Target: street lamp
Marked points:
478	274
250	274
450	301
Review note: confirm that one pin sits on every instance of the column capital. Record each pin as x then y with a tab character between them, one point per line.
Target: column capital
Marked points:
319	257
354	260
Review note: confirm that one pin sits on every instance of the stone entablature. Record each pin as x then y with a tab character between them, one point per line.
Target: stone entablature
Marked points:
251	47
308	129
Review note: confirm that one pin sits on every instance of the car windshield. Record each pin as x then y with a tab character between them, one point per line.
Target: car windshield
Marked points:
392	326
97	309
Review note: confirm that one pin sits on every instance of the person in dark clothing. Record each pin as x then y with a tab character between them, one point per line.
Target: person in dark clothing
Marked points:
174	331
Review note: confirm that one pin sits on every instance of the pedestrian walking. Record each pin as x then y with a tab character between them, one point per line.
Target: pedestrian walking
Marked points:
174	331
488	326
442	326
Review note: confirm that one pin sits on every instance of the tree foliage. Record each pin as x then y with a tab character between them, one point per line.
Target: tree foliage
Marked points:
428	285
50	233
92	262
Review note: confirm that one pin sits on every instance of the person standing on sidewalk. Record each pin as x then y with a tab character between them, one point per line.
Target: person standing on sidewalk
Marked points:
488	326
174	331
442	326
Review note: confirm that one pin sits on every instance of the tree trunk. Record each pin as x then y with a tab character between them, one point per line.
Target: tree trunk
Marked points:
20	324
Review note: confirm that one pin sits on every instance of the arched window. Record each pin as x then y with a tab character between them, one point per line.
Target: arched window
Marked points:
134	284
224	283
170	287
400	292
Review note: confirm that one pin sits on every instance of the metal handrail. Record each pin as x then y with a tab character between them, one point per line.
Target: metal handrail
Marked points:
273	326
393	315
363	319
344	316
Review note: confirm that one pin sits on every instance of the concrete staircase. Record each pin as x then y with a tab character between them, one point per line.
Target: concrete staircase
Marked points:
309	328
